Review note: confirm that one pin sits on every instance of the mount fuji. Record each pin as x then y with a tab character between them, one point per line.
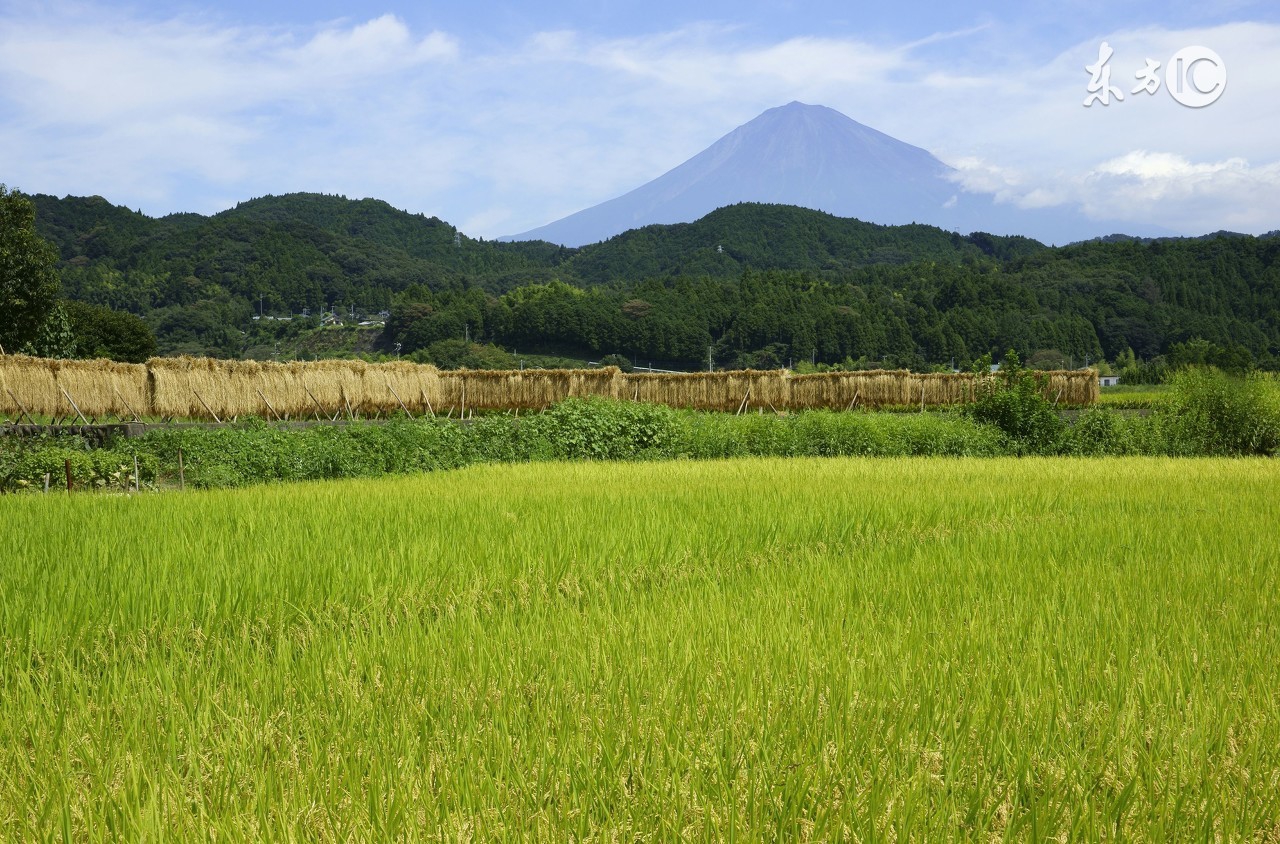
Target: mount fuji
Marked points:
815	157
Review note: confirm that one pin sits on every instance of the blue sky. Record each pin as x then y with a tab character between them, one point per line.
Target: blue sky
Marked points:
500	117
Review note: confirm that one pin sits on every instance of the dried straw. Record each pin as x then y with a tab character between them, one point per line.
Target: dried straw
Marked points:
203	388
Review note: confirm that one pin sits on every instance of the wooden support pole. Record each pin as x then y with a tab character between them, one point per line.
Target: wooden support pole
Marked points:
856	393
137	480
132	412
403	406
182	475
743	405
267	403
74	405
66	467
319	407
20	405
206	407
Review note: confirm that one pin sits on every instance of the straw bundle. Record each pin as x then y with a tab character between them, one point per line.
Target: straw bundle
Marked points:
330	387
606	382
194	388
534	389
389	387
720	391
29	383
942	389
1072	387
103	387
203	388
844	390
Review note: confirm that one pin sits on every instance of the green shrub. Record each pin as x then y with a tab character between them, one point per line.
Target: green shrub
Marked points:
1015	403
1212	413
600	429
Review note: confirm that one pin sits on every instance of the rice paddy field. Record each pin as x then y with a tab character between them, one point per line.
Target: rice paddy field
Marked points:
812	649
1140	397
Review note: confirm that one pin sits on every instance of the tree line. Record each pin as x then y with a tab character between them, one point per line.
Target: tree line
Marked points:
749	285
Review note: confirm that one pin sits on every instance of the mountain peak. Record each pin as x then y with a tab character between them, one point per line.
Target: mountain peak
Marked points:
814	157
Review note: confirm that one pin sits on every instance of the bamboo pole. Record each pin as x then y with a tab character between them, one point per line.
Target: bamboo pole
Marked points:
206	407
267	403
21	406
319	407
73	404
132	412
403	406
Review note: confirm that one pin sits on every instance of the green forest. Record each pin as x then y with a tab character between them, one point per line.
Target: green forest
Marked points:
748	285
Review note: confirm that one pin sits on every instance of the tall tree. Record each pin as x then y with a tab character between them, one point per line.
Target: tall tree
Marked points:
100	332
28	273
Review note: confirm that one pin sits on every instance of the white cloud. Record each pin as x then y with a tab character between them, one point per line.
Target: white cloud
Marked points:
1161	185
1141	186
1167	171
179	114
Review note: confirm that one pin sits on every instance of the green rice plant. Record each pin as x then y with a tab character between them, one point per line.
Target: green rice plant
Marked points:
1140	397
757	649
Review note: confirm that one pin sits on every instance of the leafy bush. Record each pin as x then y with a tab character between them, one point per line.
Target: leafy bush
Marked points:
1103	432
1014	403
600	429
23	465
1212	413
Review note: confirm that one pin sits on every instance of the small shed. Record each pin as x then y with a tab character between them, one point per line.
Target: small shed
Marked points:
1108	380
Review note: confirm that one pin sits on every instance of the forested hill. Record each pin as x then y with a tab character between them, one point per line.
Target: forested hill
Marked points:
309	250
760	283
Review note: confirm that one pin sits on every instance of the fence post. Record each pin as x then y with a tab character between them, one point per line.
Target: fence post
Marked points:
182	478
66	465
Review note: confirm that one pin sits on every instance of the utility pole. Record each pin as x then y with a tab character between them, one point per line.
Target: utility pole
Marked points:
711	366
